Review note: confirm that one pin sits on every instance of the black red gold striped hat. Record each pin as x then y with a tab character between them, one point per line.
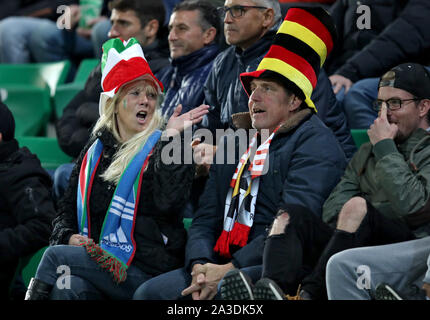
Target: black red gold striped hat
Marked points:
299	50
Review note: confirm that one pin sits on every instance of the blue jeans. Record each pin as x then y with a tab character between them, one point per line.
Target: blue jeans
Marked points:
48	43
401	265
357	103
74	275
15	35
61	179
169	285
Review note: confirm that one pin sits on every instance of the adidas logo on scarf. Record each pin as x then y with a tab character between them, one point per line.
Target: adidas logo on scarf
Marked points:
240	201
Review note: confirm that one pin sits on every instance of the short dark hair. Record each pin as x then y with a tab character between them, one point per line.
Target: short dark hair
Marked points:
145	10
209	15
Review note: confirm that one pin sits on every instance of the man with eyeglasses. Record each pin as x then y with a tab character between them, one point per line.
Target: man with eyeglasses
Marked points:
384	194
249	28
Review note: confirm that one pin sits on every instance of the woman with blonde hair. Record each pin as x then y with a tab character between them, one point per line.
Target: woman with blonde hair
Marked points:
119	221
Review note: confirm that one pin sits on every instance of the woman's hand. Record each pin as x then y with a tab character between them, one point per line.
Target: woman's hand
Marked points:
179	122
76	239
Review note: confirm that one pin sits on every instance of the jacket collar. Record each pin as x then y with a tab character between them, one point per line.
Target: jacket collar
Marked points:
186	64
260	47
242	120
414	142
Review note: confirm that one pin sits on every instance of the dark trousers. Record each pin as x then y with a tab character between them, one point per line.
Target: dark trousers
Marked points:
289	257
375	229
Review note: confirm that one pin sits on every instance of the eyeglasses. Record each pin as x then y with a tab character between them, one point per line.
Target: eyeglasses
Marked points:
236	11
392	104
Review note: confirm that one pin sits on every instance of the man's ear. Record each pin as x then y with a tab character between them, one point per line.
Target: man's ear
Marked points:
151	28
424	107
295	103
1	137
269	16
209	35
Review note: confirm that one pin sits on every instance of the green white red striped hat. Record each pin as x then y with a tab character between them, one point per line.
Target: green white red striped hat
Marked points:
122	62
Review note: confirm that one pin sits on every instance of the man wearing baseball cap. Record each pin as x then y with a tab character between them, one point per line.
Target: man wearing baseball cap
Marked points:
384	195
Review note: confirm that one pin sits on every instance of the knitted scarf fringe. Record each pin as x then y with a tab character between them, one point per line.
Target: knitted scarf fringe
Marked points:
222	245
106	261
239	234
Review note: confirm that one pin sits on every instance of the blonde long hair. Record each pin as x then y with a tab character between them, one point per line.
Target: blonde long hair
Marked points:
132	146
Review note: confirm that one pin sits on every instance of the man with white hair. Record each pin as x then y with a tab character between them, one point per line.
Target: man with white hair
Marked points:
249	28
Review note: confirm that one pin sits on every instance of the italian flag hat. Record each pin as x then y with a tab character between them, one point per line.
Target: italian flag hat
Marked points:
122	62
298	52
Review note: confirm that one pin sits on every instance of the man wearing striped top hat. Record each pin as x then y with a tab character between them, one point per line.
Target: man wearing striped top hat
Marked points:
292	162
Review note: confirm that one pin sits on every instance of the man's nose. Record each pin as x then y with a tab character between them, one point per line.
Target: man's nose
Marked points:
113	33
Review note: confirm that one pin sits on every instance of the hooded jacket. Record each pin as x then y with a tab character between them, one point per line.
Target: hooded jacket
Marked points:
26	208
394	178
226	96
305	163
184	78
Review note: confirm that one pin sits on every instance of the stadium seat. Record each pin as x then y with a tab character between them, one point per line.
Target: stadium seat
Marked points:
47	150
30	106
66	92
27	266
35	74
187	223
360	136
63	95
84	70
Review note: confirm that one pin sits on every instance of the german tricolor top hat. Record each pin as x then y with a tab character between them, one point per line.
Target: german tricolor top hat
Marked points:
299	50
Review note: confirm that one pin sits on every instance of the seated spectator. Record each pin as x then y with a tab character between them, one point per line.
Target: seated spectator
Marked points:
128	230
391	272
383	197
130	18
193	33
369	53
249	29
194	29
29	39
241	199
26	205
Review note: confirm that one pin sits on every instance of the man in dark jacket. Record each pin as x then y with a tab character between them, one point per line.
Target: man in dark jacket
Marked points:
250	34
391	23
26	206
193	35
297	162
383	196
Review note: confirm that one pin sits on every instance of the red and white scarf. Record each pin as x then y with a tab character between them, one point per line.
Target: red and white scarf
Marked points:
241	198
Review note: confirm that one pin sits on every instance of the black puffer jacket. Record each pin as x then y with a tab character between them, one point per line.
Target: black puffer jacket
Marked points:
74	127
399	33
164	190
26	205
226	96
